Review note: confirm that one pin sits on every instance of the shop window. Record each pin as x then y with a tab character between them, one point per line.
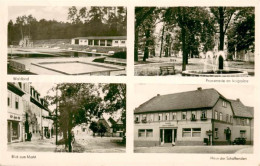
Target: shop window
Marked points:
160	117
196	132
15	130
16	102
167	116
216	115
141	133
243	133
149	133
174	116
186	132
216	133
220	116
184	115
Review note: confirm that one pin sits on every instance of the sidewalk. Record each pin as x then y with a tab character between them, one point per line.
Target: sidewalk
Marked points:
45	145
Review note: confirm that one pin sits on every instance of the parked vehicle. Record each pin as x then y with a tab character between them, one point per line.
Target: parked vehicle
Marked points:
239	141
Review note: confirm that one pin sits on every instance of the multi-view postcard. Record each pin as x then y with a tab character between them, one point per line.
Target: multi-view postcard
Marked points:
67	40
195	41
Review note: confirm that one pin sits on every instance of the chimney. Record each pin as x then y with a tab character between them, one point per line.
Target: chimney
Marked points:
238	99
158	94
199	88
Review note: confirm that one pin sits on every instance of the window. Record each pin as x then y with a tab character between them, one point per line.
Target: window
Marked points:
167	116
149	133
116	41
196	132
141	133
193	115
174	117
242	122
220	116
186	132
227	117
231	119
203	114
90	42
16	102
160	117
247	121
137	118
96	42
216	132
9	99
102	42
123	41
243	133
151	117
144	118
216	115
109	42
224	104
184	115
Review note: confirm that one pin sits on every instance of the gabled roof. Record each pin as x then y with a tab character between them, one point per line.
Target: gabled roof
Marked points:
103	37
201	98
240	110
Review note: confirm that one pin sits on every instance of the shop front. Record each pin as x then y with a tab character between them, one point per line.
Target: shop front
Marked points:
14	128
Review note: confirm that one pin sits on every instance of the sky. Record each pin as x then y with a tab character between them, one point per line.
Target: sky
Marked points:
58	13
144	92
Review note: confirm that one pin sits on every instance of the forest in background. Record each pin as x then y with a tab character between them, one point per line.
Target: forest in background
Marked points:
82	22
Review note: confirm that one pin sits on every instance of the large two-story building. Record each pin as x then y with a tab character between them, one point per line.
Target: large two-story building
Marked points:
27	113
199	117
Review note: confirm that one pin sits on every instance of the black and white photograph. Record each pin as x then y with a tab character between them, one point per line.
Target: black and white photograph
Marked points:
194	41
66	117
193	119
55	40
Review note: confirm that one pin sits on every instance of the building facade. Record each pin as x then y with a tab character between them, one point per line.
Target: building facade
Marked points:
200	117
104	41
28	114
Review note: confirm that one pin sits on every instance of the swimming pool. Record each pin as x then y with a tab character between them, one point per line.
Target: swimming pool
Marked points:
77	68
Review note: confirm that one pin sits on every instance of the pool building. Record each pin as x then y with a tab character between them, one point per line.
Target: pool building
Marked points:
200	117
105	41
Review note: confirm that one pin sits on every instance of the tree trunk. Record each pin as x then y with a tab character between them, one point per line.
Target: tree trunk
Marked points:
184	52
69	131
136	44
221	29
147	42
162	42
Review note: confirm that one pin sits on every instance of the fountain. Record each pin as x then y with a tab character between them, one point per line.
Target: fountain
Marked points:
215	66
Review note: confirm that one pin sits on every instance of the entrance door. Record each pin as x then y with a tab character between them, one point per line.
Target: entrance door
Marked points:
168	135
220	63
76	41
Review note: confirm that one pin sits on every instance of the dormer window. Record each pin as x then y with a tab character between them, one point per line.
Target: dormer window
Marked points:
224	103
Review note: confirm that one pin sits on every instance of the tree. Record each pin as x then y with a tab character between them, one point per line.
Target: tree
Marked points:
115	100
93	127
101	129
78	103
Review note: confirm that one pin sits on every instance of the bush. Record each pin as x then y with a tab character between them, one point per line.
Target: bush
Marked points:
101	60
121	55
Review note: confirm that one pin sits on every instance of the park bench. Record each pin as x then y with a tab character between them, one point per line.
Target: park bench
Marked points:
166	70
